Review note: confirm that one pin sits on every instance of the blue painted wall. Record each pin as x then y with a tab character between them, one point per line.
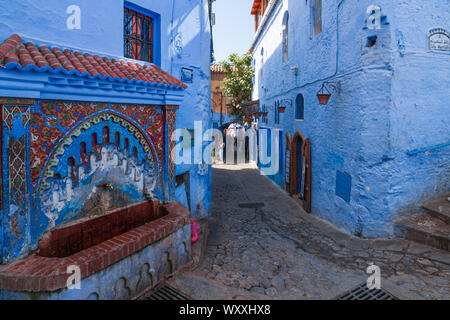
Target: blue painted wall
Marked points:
182	40
390	98
191	31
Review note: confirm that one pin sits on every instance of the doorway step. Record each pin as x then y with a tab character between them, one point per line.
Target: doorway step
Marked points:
431	228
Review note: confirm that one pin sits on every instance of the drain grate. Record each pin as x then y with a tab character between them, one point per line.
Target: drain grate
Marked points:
165	292
252	205
363	293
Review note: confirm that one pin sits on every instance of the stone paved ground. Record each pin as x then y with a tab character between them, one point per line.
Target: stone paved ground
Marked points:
280	252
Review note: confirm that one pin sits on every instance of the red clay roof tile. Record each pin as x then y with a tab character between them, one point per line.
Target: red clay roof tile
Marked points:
14	54
218	68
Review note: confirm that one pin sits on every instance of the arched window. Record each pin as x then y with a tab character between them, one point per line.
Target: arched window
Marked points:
300	107
262	65
286	36
317	16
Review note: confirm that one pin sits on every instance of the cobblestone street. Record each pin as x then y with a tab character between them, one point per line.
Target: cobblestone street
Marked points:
262	245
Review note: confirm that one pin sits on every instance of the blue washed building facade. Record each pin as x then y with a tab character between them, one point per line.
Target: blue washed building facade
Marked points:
379	148
88	112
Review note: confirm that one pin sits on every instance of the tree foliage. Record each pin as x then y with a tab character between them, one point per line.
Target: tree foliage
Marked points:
238	83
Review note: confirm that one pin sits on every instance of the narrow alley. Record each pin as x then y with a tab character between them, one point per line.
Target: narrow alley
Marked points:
225	150
263	245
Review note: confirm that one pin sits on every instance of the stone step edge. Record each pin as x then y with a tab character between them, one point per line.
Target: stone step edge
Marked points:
430	207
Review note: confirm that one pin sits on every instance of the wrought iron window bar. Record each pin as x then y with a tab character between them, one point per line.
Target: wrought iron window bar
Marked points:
138	36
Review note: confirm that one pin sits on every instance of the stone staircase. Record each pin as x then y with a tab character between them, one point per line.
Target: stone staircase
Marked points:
431	228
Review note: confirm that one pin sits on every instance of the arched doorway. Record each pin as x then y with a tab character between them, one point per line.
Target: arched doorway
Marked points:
300	169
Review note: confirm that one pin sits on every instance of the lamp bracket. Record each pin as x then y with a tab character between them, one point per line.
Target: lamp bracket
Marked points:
286	102
331	85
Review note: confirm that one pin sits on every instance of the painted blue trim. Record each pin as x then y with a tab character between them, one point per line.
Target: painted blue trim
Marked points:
5	190
14	65
5	197
29	210
36	85
156	29
413	152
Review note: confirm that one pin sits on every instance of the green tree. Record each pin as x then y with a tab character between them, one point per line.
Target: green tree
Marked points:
238	83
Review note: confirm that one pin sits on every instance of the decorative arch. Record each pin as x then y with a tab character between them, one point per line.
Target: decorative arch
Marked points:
141	136
288	141
300	169
261	66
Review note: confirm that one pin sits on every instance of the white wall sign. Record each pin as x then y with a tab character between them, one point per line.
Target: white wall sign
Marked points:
439	40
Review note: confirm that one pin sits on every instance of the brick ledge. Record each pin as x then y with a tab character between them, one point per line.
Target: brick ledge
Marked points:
41	274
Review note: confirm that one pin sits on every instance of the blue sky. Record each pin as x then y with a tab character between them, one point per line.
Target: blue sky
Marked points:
234	27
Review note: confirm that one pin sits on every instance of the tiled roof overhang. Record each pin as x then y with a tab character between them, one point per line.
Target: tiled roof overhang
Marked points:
262	24
219	68
43	72
256	7
254	103
250	107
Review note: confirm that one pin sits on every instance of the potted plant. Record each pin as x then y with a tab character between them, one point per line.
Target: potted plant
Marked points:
324	94
323	98
281	109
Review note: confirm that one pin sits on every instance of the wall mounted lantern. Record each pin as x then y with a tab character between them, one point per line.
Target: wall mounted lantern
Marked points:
294	70
324	93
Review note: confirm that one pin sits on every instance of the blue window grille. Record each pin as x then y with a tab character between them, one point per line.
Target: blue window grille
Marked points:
276	113
142	34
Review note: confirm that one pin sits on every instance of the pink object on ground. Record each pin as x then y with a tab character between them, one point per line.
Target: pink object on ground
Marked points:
195	230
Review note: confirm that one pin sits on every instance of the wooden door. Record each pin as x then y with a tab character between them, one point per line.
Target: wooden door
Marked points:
307	175
300	170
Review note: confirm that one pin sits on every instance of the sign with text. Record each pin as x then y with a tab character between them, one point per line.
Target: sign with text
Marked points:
439	40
